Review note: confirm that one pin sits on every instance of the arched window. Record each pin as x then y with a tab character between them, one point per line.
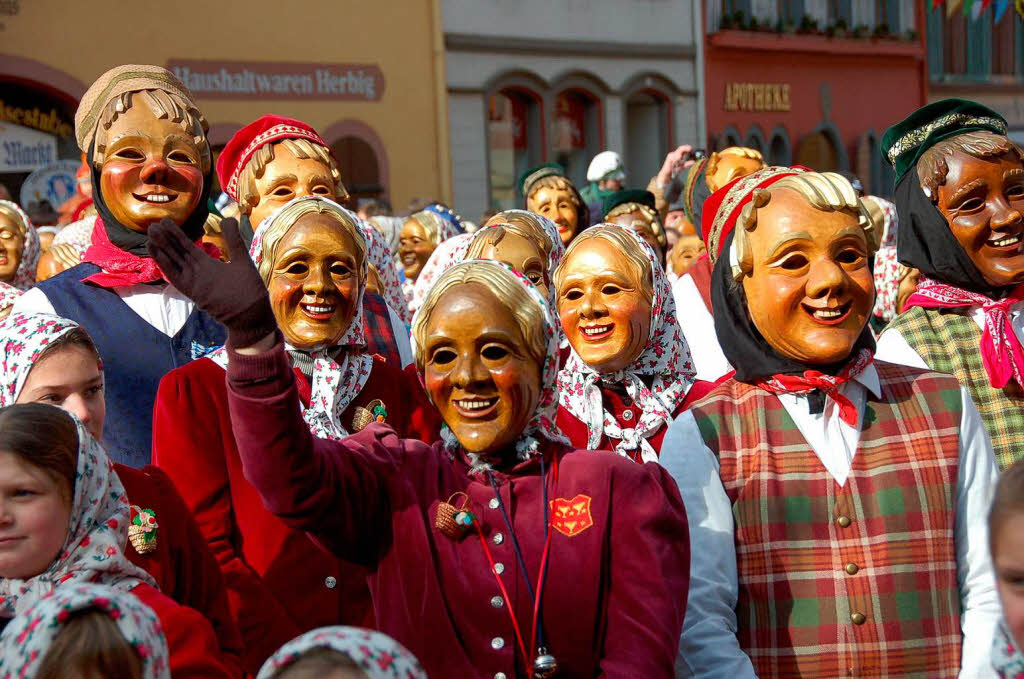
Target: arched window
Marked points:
576	128
756	140
515	136
649	133
362	158
779	151
730	136
822	150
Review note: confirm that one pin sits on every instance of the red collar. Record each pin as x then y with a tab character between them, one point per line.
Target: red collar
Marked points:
119	268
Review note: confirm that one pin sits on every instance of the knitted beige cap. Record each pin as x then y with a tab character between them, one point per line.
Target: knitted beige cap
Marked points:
115	82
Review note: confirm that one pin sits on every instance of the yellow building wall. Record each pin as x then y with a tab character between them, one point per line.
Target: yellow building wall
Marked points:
402	37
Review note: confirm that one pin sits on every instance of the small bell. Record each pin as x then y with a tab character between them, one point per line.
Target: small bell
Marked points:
544	665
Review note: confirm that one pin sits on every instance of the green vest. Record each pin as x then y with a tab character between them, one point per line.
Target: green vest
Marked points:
949	342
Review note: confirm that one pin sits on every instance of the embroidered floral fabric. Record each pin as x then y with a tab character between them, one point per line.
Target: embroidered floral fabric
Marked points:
446	255
338	379
26	640
1007	657
887	266
378	655
666	358
379	254
542	423
8	295
25	275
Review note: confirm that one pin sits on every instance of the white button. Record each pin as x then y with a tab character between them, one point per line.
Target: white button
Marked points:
493	504
497	601
498	538
497	643
331	582
499	568
627	415
499	675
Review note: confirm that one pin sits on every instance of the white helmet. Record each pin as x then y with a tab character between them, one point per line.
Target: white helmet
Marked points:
606	165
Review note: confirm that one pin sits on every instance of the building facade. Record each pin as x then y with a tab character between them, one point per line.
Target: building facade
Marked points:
534	81
368	76
981	59
813	82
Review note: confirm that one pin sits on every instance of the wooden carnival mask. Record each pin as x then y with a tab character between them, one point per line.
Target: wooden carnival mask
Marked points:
731	163
808	284
287	177
558	205
151	170
314	282
982	199
501	244
477	370
12	245
604	310
685	253
643	223
414	248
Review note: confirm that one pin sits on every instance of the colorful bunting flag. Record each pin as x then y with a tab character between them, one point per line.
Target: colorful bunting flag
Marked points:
1000	10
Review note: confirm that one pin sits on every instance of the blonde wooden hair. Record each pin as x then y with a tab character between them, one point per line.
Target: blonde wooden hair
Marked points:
303	149
626	243
286	218
741	151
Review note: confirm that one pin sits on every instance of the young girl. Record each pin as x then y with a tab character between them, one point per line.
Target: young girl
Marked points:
66	518
1006	538
82	631
48	359
342	653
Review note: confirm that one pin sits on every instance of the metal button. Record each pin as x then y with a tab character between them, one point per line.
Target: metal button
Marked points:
331	582
499	568
858	618
493	504
843	521
499	675
497	601
627	415
497	643
498	538
852	568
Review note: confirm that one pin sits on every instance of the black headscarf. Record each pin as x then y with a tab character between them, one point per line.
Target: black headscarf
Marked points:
743	345
926	242
133	241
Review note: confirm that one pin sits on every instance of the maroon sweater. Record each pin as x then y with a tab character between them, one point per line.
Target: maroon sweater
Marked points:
619	569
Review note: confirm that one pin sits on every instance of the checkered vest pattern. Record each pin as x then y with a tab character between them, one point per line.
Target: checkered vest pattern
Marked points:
949	342
856	580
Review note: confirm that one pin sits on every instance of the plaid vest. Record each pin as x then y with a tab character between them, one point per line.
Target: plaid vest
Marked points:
949	342
857	580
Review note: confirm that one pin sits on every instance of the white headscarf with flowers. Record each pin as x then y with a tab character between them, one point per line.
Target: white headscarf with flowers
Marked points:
542	424
25	275
665	358
379	254
446	255
23	338
377	654
97	532
27	639
338	376
887	266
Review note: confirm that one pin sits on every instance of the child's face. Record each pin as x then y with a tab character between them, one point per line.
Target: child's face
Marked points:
1008	561
34	515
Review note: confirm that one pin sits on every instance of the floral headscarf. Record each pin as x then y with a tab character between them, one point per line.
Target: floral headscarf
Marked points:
27	639
445	256
542	424
23	338
8	295
338	376
1007	658
98	530
25	275
887	267
377	654
390	228
379	254
439	222
77	234
666	358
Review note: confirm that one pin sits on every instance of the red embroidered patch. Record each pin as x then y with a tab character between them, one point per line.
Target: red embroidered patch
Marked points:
571	517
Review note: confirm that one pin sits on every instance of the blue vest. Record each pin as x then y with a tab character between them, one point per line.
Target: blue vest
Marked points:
135	356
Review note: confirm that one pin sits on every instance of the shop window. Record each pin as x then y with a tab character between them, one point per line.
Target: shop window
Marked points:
648	135
515	139
576	132
360	171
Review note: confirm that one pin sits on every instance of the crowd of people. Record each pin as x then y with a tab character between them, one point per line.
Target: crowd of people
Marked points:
746	422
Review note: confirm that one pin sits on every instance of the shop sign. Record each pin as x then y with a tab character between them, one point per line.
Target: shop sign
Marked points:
50	121
757	97
23	149
279	80
54	183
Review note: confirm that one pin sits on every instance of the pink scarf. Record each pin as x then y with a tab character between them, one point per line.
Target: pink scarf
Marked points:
1001	351
828	384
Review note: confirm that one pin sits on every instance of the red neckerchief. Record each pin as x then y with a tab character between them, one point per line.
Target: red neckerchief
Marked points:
120	268
829	384
1001	351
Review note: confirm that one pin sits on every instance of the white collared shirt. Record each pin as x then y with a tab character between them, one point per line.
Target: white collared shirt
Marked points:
161	305
709	647
698	327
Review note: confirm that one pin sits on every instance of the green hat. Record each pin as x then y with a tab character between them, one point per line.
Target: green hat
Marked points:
535	174
904	142
618	198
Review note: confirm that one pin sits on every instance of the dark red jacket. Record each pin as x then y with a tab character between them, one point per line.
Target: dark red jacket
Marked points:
619	561
191	643
618	404
279	583
182	564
